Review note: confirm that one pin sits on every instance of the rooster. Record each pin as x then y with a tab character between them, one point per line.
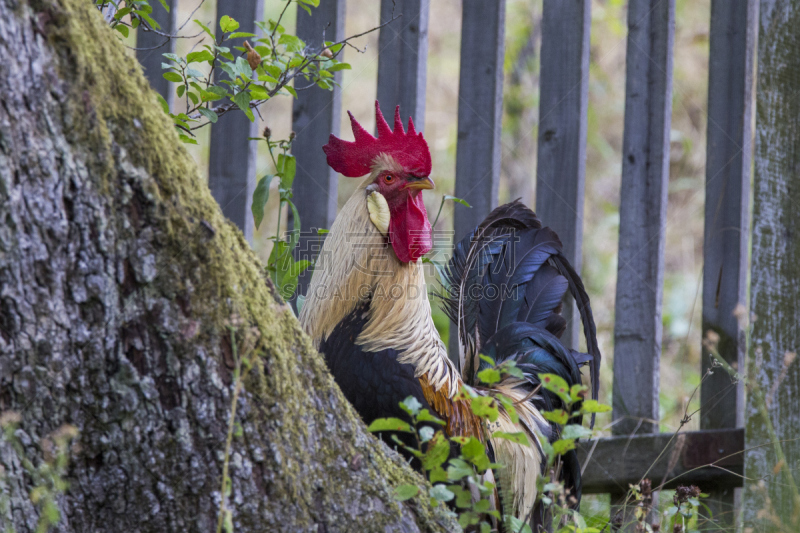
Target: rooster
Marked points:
368	313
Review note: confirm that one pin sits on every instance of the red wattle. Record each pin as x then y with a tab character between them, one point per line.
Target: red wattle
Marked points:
409	229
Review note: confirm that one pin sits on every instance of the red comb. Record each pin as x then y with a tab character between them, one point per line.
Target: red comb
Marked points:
354	159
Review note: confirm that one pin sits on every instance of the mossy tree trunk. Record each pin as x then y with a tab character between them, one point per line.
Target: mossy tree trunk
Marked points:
120	282
772	502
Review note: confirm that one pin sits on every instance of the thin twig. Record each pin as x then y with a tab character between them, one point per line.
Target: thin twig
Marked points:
286	78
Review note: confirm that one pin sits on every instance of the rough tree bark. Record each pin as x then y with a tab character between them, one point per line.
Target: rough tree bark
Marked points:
772	457
118	280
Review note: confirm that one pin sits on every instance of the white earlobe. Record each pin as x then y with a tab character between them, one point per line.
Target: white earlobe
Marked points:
378	211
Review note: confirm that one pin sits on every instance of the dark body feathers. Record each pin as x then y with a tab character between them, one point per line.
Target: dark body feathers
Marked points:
504	287
373	382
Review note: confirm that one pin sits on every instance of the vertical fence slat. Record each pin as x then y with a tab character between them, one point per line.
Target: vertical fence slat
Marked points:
726	221
643	214
232	160
643	207
403	59
151	59
563	106
480	106
316	114
772	449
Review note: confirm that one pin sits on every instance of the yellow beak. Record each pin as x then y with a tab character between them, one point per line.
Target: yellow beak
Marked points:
420	183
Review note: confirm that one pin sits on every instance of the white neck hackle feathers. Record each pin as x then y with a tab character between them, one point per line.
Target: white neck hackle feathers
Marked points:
356	264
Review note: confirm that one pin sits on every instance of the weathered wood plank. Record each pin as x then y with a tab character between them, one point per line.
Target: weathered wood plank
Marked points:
728	151
232	159
617	462
643	203
316	114
563	111
773	396
480	106
151	45
480	111
403	59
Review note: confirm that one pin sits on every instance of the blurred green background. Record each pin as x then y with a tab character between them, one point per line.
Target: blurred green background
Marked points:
680	365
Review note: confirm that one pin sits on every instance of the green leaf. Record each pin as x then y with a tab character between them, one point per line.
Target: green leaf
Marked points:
279	249
489	376
260	197
562	446
517	525
339	66
198	57
123	29
173	76
240	34
510	368
186	139
147	18
518	437
242	100
164	5
437	453
227	24
210	115
267	79
288	168
425	433
405	492
508	405
425	416
164	104
242	68
484	407
557	385
576	392
486	359
411	406
257	92
180	90
204	27
288	282
475	451
194	73
274	26
295	237
389	424
292	43
458	469
574	431
122	12
290	90
441	493
437	474
593	406
559	416
453	198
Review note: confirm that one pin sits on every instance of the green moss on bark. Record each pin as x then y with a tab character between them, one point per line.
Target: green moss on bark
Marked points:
321	467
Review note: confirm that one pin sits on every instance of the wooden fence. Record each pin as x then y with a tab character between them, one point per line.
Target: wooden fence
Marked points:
623	459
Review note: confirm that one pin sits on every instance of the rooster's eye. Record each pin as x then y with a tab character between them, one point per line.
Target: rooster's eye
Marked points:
388	178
